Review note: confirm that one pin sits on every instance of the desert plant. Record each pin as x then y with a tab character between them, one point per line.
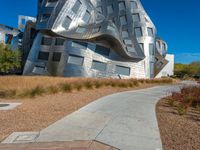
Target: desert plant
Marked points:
66	87
52	90
182	110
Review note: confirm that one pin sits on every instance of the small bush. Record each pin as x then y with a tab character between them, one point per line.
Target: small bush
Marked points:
52	90
88	84
78	86
37	91
8	94
66	87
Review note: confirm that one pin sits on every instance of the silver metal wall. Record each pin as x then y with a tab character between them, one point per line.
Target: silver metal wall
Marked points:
94	38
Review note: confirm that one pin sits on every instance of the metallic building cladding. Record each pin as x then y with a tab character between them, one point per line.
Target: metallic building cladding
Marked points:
95	38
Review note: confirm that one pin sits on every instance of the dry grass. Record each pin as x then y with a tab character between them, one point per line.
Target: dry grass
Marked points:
23	86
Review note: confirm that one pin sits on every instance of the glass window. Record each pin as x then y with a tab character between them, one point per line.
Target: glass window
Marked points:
43	55
97	65
46	41
134	5
125	34
122	70
123	20
138	32
136	17
102	50
130	49
59	41
128	42
164	46
67	22
76	6
141	46
151	49
80	45
80	30
86	17
56	56
76	60
110	9
45	17
121	6
150	31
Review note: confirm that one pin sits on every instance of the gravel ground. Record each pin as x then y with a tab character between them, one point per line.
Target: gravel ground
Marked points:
38	113
178	132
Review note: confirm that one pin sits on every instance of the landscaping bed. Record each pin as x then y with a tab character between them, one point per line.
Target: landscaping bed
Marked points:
45	100
179	119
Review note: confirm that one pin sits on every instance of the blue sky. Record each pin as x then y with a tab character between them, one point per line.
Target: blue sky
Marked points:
177	22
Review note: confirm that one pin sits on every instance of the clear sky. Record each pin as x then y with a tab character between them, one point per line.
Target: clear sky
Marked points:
177	22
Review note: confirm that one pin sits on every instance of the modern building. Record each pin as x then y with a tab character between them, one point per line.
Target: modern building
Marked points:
94	38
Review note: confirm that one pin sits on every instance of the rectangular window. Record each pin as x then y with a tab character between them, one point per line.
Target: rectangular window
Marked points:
67	22
136	17
59	41
102	50
134	5
122	70
46	41
80	30
80	45
121	6
56	56
97	65
76	60
123	20
110	9
142	46
76	6
45	17
125	34
43	56
151	50
138	32
86	17
150	31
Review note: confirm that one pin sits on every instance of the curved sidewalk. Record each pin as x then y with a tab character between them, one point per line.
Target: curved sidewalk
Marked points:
124	120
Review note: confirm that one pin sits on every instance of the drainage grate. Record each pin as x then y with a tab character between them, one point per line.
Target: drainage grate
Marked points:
4	105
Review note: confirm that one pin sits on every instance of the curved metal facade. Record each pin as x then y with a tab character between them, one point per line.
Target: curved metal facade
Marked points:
94	38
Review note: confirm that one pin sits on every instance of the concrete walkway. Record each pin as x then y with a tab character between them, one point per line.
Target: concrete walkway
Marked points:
124	120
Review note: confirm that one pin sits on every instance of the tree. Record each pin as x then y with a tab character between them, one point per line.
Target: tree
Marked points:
190	70
9	59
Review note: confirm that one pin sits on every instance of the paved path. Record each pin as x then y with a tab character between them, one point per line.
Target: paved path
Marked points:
124	120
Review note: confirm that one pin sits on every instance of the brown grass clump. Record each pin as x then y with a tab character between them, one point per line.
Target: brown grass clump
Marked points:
185	99
25	86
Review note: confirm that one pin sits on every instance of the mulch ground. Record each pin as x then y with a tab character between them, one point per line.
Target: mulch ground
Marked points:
40	112
178	132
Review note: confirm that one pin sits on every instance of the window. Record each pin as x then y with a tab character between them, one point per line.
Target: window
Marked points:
125	34
138	32
123	20
164	47
67	22
142	46
130	49
110	9
80	30
46	41
43	56
86	17
128	42
45	17
80	45
76	6
76	60
150	31
122	70
56	56
121	6
151	49
102	50
134	5
97	65
152	69
136	17
59	41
